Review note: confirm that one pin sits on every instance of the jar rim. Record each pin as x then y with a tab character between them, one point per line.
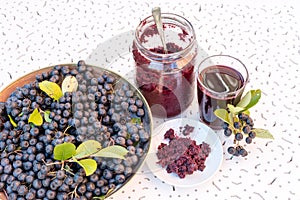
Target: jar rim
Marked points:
170	16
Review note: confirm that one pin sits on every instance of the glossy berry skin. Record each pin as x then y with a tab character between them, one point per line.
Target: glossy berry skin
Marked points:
231	150
237	125
238	136
246	129
225	125
252	134
243	152
248	140
227	132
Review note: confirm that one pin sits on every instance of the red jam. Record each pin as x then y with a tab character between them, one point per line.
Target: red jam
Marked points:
167	80
171	88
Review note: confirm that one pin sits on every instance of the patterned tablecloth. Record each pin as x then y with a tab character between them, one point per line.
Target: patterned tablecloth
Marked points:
263	34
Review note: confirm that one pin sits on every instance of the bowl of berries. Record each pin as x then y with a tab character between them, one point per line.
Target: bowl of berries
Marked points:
71	132
184	152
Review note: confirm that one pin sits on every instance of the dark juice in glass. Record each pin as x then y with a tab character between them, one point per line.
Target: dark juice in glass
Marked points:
217	86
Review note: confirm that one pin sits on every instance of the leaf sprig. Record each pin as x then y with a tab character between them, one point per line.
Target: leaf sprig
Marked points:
230	114
83	154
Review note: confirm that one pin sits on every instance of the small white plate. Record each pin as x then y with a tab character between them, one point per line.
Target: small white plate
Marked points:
201	133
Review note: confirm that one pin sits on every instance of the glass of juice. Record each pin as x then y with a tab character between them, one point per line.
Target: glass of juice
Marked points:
221	81
166	79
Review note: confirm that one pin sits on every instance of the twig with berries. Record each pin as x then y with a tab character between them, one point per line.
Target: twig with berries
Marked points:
237	122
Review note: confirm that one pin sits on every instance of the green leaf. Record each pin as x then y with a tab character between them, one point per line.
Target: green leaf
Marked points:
100	197
250	99
245	100
234	110
12	121
51	89
263	133
64	151
255	96
136	120
36	118
89	166
247	112
69	84
222	114
87	148
114	151
46	116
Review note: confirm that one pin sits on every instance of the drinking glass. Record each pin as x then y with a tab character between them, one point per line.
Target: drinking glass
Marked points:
221	80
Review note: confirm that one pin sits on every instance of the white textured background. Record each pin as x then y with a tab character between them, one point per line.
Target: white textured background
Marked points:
263	34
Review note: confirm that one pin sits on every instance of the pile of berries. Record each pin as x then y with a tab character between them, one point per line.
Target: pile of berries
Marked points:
241	129
182	155
103	108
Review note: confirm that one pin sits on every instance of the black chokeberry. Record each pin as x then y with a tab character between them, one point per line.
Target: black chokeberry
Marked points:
227	132
238	136
252	134
246	129
248	140
237	125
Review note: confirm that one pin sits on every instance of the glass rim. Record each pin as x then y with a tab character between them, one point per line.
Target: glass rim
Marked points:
225	95
173	17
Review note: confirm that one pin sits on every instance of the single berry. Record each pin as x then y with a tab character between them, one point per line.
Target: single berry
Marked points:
246	129
231	150
238	136
248	140
227	132
237	125
243	152
252	134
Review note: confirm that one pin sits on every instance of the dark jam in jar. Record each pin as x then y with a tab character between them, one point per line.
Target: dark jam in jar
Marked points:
167	81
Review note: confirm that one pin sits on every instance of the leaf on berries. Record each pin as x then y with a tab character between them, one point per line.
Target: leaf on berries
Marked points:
12	121
64	151
235	110
100	197
36	118
114	151
223	115
89	166
247	112
46	116
262	133
51	89
69	84
250	99
87	148
136	120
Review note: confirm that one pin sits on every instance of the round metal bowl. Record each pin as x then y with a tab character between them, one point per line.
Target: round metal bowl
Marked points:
146	120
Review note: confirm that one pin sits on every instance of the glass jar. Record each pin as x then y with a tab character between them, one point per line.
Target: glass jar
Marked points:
167	80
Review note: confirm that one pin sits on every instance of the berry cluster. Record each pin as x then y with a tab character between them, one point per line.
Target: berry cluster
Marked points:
103	108
242	128
182	156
